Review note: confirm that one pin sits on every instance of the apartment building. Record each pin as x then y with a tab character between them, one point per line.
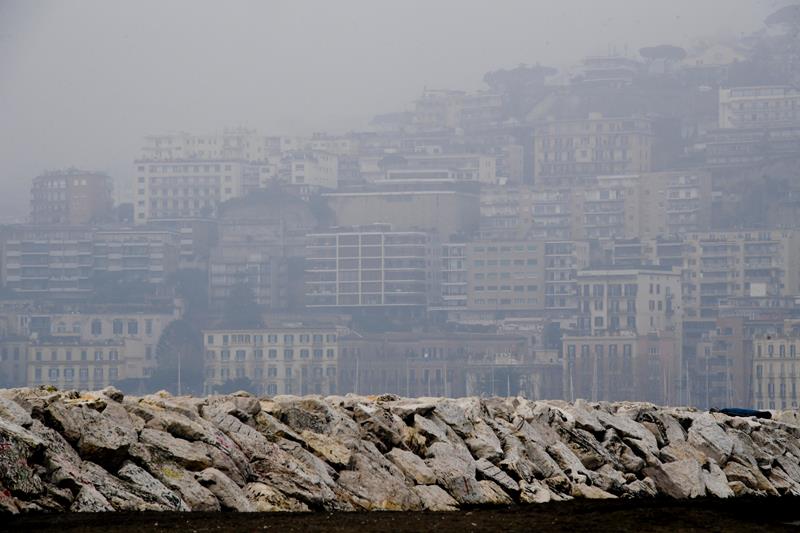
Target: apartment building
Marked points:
293	359
64	260
48	259
430	364
505	277
147	255
628	338
311	168
139	331
718	266
776	372
722	366
371	267
444	209
70	363
71	197
459	167
758	107
13	361
568	149
562	261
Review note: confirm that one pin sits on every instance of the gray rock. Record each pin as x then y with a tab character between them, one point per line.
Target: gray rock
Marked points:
378	485
487	470
455	472
483	443
89	500
103	439
266	499
679	479
434	498
190	455
150	489
13	412
707	435
715	481
228	493
412	466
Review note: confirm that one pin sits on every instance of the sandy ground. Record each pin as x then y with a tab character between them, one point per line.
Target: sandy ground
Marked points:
759	514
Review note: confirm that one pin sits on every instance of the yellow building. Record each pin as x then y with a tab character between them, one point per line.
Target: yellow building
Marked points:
287	360
776	372
71	363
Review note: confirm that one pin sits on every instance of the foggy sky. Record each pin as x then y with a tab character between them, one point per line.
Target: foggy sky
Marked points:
82	81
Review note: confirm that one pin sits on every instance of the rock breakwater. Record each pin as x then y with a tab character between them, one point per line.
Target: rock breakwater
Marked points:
103	451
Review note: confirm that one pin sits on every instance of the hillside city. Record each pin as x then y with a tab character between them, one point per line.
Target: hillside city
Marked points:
628	229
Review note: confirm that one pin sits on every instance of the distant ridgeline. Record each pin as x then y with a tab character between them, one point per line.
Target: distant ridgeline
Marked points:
102	451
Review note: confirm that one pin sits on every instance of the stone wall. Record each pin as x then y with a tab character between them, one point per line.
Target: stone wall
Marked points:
101	451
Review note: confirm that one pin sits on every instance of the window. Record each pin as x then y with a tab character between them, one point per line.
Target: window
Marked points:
133	327
240	356
117	326
84	355
113	373
148	327
53	373
272	339
329	353
83	374
69	374
98	355
53	355
97	327
148	352
258	354
304	353
288	354
98	372
273	354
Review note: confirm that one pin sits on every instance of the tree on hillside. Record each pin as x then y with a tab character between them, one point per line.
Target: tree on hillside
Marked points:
666	52
788	17
240	309
521	87
180	357
191	285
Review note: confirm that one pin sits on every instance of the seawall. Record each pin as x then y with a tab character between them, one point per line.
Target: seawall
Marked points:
103	451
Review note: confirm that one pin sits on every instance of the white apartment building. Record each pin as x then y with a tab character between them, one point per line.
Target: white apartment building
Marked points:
370	266
758	107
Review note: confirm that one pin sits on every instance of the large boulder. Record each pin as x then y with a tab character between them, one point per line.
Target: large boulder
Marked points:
679	479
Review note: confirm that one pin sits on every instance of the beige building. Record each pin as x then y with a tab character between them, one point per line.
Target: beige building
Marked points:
284	360
505	277
776	372
628	338
71	197
138	332
72	363
595	146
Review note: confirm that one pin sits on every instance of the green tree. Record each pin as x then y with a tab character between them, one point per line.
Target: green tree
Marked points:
240	309
180	359
191	285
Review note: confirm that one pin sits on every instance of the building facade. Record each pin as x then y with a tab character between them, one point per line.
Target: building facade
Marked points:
71	197
371	267
595	146
283	360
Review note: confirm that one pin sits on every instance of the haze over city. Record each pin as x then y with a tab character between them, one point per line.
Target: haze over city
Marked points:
513	265
84	81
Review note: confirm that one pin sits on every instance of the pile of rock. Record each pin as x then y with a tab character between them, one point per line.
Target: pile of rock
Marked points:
103	451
